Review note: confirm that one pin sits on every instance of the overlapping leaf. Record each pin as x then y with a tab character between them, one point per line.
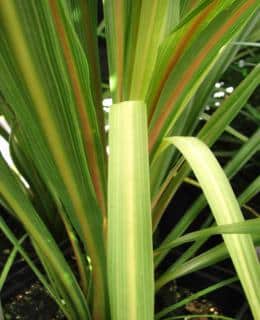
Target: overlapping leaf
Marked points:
130	260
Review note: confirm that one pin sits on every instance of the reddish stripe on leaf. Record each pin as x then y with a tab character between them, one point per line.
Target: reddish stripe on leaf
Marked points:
191	32
80	102
186	77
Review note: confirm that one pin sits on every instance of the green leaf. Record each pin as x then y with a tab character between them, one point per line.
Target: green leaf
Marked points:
194	296
226	210
200	100
151	31
84	18
130	259
45	78
39	193
79	76
250	227
190	215
188	5
15	197
230	108
12	238
115	25
186	57
9	262
250	191
239	160
209	133
203	260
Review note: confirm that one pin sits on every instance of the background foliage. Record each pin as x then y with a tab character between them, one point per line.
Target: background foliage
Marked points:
164	58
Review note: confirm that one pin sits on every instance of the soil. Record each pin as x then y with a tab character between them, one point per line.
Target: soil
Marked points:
34	303
173	293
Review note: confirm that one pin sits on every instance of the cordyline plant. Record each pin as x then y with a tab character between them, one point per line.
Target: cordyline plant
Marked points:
164	58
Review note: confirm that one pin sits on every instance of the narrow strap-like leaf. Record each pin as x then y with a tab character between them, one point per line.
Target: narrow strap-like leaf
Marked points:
81	86
115	17
187	56
225	208
84	18
9	263
15	197
203	260
48	93
250	226
210	133
151	32
194	296
239	160
130	260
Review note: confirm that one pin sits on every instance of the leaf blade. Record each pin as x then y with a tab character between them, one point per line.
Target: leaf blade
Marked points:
130	261
168	99
226	210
